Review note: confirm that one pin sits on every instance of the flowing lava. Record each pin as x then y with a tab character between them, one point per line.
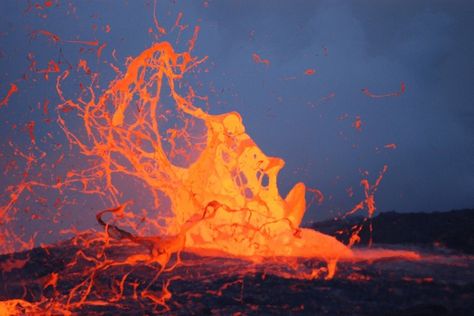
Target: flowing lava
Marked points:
220	188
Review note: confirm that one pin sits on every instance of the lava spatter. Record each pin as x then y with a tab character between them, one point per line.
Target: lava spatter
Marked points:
250	218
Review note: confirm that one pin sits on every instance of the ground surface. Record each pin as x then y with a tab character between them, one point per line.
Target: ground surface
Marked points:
451	229
440	283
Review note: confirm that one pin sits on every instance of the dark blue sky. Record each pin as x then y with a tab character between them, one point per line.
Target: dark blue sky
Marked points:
351	45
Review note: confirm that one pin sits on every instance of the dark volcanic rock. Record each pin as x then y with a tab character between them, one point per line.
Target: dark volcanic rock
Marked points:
439	284
454	229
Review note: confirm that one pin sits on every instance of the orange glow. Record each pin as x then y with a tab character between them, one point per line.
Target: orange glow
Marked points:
369	192
13	89
222	190
357	124
391	146
31	131
15	307
56	39
225	201
390	94
259	60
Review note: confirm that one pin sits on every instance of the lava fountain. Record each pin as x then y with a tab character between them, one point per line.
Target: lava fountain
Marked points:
193	204
218	187
224	200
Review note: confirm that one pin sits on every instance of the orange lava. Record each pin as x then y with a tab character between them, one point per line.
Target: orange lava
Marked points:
225	200
13	89
390	94
259	60
221	188
357	124
390	146
309	72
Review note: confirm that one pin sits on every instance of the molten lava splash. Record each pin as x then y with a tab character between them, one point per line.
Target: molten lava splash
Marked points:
224	201
219	187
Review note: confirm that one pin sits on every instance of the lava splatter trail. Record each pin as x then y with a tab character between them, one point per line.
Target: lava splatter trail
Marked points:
385	95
